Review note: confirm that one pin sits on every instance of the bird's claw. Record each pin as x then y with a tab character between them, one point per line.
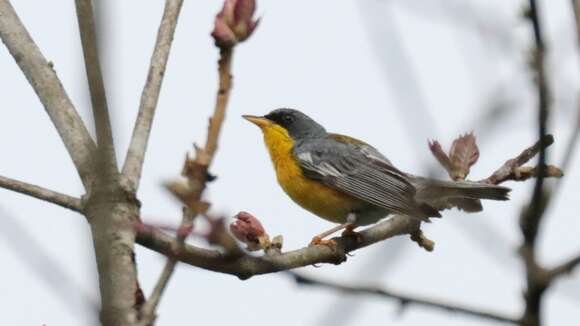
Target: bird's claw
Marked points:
349	232
318	241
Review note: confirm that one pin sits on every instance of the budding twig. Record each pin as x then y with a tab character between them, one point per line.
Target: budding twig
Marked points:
512	169
196	171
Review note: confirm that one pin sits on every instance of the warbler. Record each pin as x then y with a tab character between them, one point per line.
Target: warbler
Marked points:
347	181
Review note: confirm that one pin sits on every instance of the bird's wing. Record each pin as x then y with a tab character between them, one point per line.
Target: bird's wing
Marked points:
349	169
365	148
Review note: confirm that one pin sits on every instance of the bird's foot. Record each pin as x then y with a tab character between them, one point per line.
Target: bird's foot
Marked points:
349	232
318	241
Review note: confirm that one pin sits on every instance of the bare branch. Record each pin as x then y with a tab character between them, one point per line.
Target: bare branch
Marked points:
111	215
147	313
106	158
403	299
530	221
196	172
48	195
149	307
565	268
223	95
419	237
247	266
537	277
138	146
512	169
47	86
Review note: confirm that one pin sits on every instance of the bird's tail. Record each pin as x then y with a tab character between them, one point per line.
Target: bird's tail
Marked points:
431	189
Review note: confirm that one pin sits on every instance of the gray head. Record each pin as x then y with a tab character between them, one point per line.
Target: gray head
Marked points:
299	125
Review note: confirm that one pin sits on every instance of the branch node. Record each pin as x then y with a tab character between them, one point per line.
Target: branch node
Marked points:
419	237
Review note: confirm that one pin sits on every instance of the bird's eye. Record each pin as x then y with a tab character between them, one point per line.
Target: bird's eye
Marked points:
288	119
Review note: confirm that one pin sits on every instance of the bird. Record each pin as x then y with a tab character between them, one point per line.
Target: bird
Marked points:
349	182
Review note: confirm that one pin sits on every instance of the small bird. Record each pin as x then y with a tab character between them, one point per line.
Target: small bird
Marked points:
347	181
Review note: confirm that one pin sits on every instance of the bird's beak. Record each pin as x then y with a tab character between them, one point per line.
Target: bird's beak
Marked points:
258	121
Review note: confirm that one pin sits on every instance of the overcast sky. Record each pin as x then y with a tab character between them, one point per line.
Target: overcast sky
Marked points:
393	73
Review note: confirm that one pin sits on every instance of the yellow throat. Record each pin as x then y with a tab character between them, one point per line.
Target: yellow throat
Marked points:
310	194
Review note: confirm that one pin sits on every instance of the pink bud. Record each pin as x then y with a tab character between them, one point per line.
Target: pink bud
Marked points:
234	22
222	33
439	154
247	228
463	154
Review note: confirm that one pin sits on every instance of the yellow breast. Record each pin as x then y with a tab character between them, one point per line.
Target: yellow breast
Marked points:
312	195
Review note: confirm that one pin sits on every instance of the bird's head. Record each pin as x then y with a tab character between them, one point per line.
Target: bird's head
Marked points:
295	123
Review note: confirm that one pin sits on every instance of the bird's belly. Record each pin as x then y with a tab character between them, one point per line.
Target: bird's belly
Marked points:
314	196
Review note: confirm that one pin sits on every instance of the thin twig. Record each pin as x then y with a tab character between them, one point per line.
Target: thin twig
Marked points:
106	158
43	79
565	268
196	172
223	95
138	146
149	307
531	221
147	313
48	195
512	168
404	300
537	277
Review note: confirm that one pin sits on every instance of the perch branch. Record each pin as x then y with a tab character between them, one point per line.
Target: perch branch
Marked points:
246	266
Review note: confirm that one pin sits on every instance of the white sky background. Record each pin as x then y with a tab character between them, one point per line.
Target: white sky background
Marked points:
337	61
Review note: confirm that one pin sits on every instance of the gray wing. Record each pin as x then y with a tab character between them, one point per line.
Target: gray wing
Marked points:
365	148
362	174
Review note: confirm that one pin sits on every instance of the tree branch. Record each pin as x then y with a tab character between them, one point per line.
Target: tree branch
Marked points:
531	220
147	313
512	169
403	299
246	266
112	215
565	268
47	86
48	195
106	158
196	172
150	306
537	277
138	146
